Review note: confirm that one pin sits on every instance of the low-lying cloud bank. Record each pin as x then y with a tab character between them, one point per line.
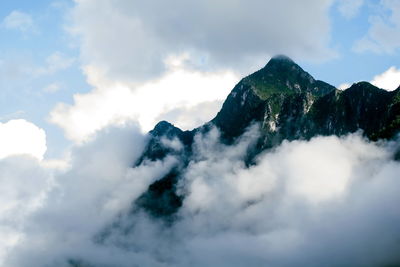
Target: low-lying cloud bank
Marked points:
329	201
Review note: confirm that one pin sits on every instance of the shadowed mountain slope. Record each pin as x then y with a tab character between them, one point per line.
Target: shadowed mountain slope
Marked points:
288	104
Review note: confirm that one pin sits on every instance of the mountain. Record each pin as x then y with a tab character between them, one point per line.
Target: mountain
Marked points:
289	104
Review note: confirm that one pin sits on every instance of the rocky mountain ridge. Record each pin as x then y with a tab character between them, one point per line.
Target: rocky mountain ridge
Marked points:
288	104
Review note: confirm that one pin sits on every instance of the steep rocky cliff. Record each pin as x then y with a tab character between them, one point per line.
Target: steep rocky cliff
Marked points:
289	104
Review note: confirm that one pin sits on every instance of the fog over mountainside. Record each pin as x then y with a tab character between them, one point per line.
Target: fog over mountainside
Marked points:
290	172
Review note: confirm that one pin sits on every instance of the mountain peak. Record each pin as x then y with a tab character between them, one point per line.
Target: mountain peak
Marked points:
282	76
281	58
281	63
364	83
288	104
365	86
164	128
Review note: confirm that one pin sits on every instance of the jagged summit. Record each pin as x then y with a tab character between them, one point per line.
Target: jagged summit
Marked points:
281	75
156	148
261	95
165	128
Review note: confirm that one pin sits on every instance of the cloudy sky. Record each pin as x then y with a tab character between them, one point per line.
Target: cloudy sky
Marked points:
82	81
71	68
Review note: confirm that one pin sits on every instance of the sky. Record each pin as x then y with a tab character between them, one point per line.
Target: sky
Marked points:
82	82
71	71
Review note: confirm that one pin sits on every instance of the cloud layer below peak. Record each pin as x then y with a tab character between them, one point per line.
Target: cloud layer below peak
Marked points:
306	202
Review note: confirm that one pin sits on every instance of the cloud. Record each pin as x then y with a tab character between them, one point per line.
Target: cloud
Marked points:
344	86
134	58
71	204
308	203
305	203
350	8
389	80
192	116
113	103
23	186
52	88
55	62
19	137
384	33
19	71
13	115
230	35
18	20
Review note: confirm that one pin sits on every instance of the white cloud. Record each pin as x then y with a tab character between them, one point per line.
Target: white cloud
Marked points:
384	33
22	137
350	8
189	117
178	91
148	67
344	86
130	40
23	185
305	203
98	184
389	80
18	20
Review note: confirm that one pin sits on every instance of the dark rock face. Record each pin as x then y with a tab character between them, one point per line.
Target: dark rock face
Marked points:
164	130
265	94
161	199
362	106
289	104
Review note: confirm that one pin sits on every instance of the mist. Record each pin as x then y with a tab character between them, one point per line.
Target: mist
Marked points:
330	201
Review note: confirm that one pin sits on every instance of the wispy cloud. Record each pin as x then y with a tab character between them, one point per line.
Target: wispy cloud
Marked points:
350	8
384	33
52	88
18	20
55	62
